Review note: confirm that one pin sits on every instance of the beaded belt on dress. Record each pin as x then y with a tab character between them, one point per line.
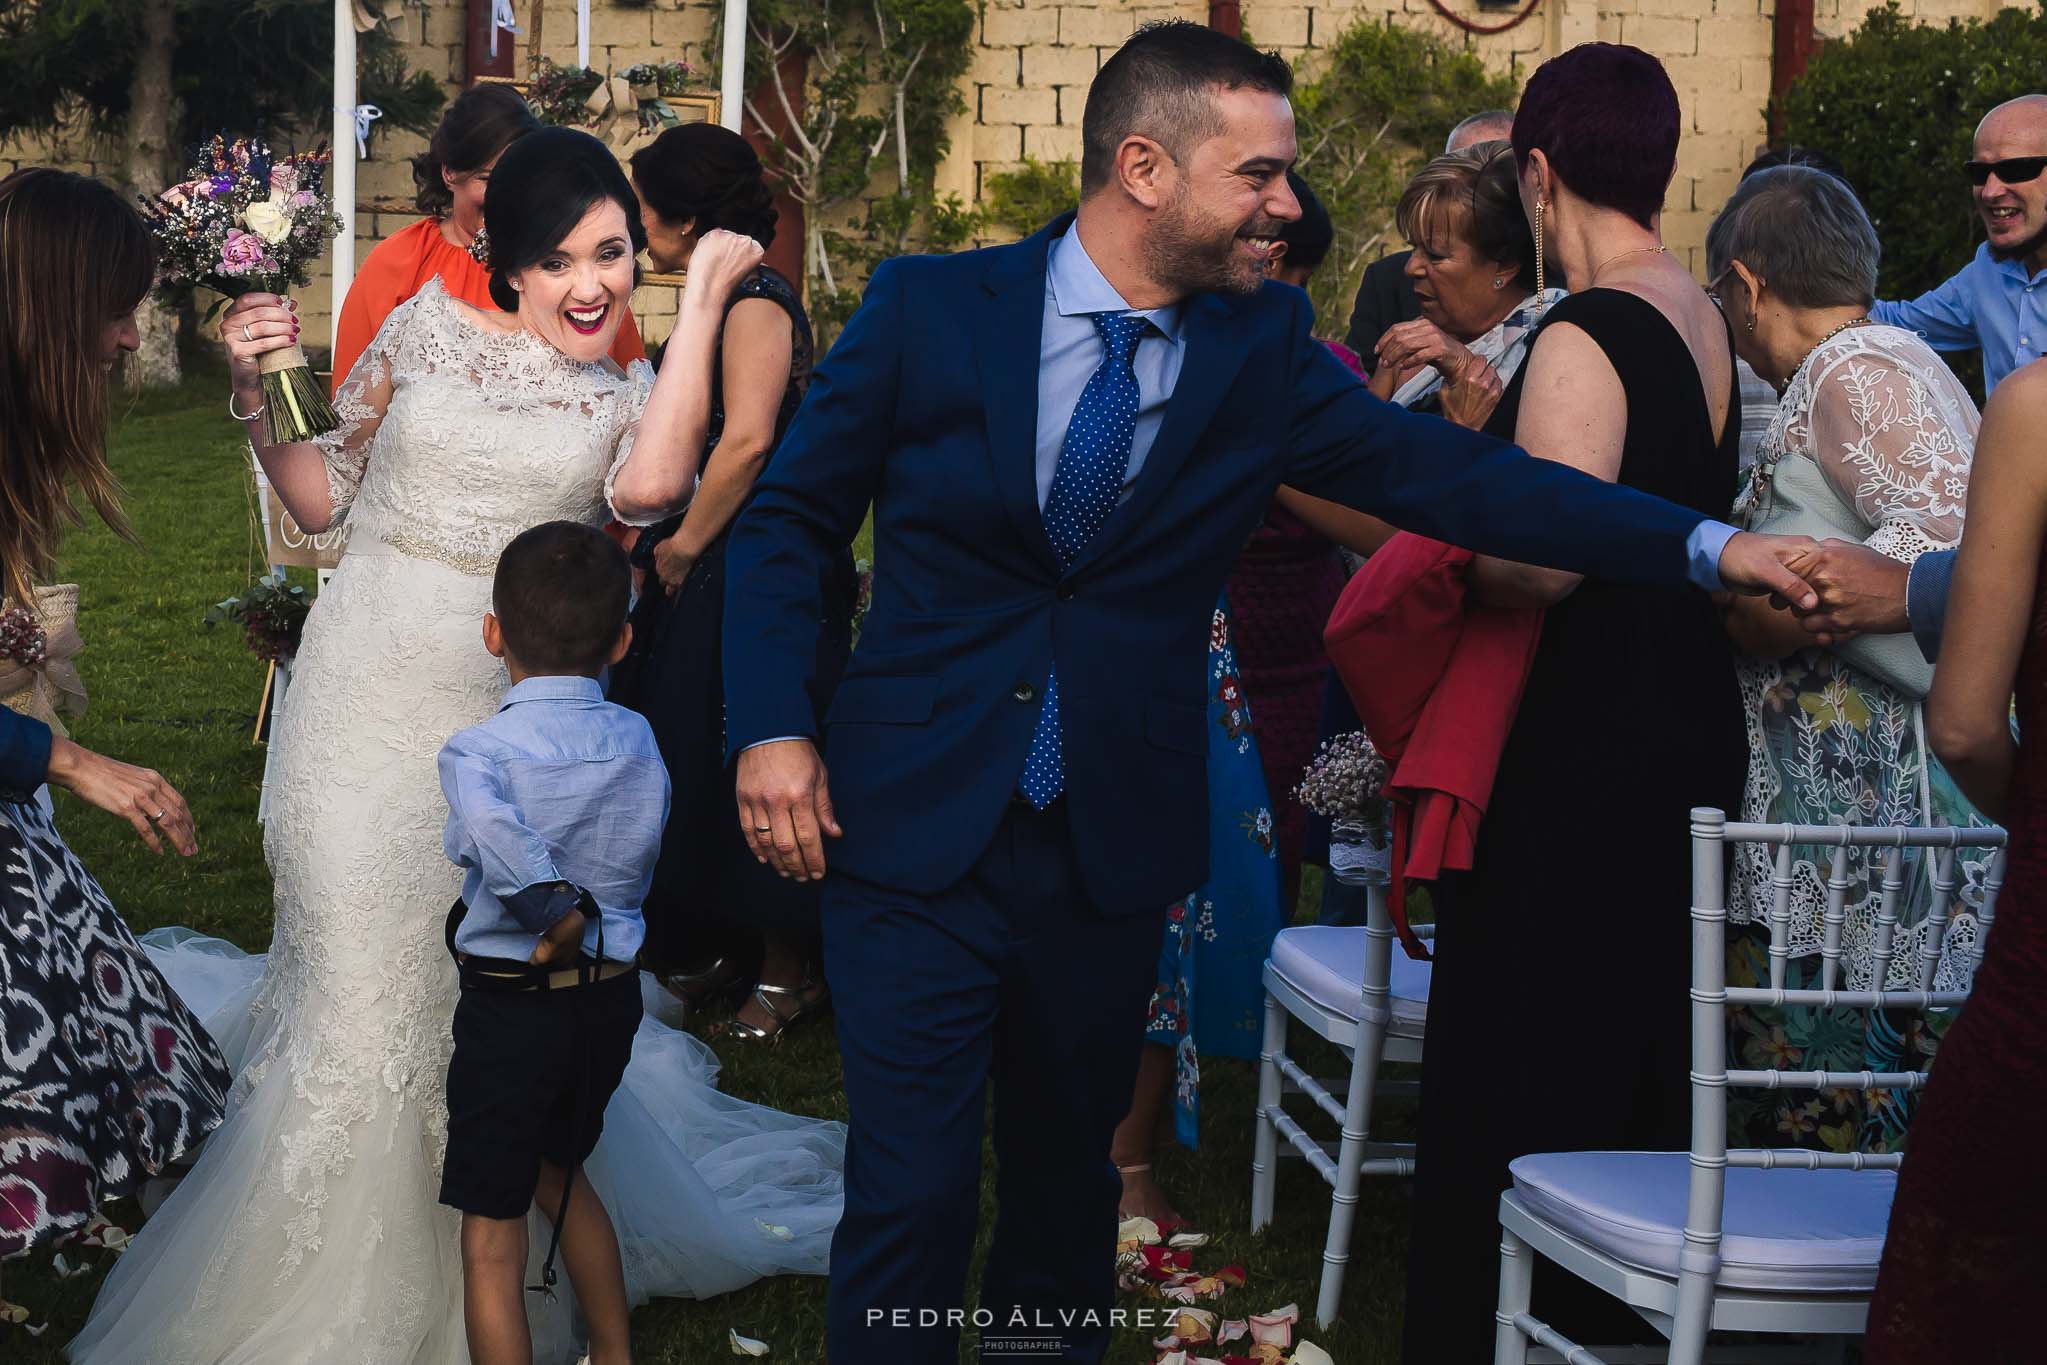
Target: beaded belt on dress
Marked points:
477	562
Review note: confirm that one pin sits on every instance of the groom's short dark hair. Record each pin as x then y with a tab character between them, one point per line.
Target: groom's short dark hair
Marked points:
560	597
1160	85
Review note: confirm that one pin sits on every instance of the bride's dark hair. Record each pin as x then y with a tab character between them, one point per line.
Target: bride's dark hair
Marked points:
540	190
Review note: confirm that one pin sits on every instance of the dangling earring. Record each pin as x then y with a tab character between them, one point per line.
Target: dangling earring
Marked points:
1541	273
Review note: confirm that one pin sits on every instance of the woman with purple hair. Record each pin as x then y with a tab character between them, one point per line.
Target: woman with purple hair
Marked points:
1630	717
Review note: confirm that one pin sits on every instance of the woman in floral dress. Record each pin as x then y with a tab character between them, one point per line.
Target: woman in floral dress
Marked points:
1219	936
1872	443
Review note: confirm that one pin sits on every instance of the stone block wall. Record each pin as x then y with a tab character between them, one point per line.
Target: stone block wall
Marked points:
1033	60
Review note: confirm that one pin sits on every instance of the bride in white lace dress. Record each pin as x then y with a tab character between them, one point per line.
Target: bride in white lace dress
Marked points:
309	1231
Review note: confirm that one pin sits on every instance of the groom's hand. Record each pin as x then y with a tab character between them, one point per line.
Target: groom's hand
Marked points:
785	806
1759	565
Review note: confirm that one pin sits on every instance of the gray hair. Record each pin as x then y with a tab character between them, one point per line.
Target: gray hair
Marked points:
1803	233
1488	125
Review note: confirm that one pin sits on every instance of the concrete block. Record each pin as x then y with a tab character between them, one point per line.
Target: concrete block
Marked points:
1022	105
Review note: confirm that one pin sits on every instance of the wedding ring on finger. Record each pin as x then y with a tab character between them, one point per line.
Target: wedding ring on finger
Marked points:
247	335
156	818
763	829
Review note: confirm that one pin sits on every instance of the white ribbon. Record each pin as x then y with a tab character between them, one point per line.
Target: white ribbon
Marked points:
365	115
502	17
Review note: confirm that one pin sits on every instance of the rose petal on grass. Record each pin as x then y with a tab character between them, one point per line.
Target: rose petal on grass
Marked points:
1266	1353
1194	1326
1232	1329
1308	1353
1136	1232
1275	1328
746	1346
1182	1241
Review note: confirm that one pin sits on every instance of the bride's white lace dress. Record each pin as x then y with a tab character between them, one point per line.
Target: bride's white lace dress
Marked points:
309	1230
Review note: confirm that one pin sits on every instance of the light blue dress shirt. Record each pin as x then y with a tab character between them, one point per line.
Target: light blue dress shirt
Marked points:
559	787
1071	351
1988	303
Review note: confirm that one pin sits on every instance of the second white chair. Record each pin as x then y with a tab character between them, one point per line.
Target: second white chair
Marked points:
1351	986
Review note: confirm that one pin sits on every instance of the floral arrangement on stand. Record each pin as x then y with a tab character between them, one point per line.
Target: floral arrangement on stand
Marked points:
1345	781
246	221
272	615
560	94
577	97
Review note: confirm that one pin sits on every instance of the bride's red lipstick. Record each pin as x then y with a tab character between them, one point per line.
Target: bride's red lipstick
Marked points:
589	329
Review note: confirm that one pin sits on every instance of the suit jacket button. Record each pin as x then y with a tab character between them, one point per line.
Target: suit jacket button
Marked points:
1025	692
1065	593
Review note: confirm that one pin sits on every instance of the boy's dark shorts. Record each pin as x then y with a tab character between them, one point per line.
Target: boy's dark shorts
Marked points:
528	1083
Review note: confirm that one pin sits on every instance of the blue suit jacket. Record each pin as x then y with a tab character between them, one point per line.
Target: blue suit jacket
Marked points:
927	408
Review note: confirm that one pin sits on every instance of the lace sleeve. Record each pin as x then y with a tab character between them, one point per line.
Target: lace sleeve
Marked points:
633	402
361	402
1895	445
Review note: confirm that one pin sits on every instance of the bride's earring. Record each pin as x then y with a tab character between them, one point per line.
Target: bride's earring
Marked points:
1499	281
1541	273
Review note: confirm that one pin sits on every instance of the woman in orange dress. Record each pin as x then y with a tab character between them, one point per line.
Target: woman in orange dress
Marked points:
452	177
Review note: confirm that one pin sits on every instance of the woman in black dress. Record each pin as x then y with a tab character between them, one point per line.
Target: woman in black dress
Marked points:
105	1076
1630	718
713	908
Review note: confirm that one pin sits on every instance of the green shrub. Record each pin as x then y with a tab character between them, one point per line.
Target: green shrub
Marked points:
1897	104
1032	195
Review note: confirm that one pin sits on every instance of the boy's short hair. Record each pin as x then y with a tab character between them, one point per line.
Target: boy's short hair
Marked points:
560	597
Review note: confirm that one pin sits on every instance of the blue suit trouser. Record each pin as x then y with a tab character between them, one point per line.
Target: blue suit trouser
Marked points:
1011	975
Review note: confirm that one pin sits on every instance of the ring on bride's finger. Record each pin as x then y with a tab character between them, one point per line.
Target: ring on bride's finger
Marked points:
247	335
156	817
763	829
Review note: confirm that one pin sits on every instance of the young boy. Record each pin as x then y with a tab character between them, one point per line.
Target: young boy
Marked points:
555	809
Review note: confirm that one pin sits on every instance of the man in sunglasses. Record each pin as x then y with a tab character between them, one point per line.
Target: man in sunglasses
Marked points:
1999	300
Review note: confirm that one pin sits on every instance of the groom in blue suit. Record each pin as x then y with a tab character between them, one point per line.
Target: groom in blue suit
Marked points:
1064	443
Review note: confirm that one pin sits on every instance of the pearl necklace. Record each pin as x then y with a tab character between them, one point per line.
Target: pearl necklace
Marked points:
1852	322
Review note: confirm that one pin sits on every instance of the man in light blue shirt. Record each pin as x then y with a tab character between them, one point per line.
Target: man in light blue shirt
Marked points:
1997	302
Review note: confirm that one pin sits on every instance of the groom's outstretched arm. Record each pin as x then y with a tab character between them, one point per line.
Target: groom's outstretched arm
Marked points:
1426	475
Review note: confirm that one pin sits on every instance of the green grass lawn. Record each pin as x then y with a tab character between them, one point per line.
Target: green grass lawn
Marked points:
170	694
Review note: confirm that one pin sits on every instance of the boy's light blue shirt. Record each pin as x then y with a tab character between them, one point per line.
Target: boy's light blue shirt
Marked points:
559	790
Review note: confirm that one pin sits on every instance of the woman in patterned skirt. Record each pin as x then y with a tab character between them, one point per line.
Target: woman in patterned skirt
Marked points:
105	1077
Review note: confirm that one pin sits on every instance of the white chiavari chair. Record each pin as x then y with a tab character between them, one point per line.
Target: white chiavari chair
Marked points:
1769	1240
1349	985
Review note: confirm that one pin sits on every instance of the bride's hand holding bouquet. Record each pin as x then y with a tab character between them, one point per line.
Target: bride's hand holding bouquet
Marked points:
249	225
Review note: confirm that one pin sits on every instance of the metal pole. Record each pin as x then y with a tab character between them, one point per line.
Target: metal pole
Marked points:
732	66
583	34
342	168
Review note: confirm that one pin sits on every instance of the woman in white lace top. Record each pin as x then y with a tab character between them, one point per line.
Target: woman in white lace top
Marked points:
310	1229
1871	443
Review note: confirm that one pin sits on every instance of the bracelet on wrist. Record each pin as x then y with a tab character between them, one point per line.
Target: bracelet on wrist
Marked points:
244	416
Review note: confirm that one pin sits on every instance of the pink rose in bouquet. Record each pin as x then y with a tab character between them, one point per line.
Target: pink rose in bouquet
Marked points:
242	253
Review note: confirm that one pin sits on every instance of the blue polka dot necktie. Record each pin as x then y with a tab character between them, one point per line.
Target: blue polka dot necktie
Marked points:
1085	487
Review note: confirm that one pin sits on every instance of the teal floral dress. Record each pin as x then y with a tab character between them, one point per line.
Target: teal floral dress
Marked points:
1220	935
1872	443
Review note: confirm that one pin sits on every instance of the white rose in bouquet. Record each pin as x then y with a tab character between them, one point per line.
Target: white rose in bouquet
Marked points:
269	219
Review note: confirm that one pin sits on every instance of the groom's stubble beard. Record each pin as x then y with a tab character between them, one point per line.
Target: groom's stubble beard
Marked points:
1192	257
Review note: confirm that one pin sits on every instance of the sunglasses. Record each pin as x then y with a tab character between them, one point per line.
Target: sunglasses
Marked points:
2014	171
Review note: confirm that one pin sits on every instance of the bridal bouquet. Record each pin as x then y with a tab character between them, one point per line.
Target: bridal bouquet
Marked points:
245	221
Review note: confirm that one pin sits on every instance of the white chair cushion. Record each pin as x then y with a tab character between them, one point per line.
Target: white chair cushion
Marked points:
1783	1231
1326	963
